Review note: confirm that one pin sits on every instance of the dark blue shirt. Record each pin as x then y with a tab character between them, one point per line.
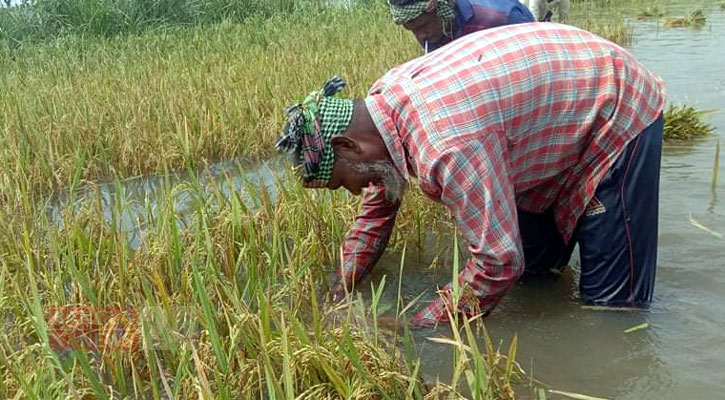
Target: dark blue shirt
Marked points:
476	15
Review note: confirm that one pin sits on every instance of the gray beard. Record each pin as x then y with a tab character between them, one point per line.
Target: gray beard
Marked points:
392	181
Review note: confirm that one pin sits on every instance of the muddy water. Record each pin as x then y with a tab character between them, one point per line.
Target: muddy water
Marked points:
682	354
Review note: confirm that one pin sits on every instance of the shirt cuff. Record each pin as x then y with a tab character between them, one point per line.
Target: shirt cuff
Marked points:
436	311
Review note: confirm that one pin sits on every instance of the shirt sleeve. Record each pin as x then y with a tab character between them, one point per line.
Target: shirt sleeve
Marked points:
472	179
369	235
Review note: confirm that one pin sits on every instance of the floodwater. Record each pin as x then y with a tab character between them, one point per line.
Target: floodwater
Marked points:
130	204
681	355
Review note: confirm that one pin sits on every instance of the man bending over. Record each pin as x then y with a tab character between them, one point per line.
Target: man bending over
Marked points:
535	136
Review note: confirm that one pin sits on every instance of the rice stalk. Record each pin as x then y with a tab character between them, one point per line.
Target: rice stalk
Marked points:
716	166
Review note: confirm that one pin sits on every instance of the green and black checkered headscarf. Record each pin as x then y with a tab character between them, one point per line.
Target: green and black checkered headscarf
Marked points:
309	128
406	10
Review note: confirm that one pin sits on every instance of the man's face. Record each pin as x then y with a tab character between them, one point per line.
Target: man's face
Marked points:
427	27
358	175
346	176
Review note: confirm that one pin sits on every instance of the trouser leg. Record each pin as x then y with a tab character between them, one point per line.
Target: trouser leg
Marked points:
617	236
544	248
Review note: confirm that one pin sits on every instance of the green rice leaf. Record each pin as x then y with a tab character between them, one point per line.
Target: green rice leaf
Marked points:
637	328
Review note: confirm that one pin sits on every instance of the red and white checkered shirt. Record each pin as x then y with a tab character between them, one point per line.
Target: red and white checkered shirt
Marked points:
527	116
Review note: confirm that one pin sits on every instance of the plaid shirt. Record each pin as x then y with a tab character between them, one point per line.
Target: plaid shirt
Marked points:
475	15
527	116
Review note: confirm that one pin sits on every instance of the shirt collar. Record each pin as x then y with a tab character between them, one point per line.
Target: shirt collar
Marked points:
380	112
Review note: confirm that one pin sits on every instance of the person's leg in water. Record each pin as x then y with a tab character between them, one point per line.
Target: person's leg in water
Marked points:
617	236
545	252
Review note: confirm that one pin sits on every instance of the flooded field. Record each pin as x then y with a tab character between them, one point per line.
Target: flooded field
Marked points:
565	346
140	199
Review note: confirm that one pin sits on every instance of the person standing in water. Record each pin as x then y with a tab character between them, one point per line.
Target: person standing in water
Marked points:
536	137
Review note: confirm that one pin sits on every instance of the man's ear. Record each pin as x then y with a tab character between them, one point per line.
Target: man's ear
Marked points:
345	145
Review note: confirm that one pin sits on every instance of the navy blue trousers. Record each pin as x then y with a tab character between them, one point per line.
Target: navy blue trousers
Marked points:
617	235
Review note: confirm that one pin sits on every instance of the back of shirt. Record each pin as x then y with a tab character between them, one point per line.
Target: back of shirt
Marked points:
565	100
522	117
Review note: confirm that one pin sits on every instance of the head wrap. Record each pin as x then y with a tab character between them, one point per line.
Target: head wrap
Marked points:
406	10
309	128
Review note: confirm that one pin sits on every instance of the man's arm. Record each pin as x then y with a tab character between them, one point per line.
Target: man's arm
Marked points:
367	238
474	184
538	9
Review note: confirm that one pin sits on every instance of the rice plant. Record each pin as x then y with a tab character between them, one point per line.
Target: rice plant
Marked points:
182	98
715	167
178	98
616	31
695	19
46	19
232	306
685	123
651	12
229	302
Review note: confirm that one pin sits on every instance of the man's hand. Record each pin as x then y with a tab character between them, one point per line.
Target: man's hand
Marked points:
389	323
337	293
